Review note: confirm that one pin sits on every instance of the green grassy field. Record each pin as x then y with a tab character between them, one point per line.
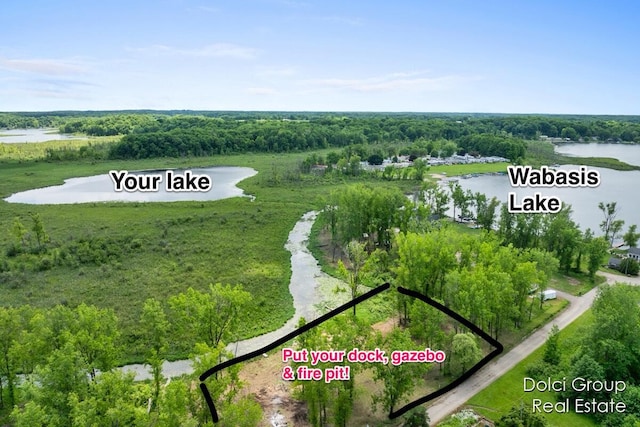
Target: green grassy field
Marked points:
161	249
164	248
508	390
574	283
34	151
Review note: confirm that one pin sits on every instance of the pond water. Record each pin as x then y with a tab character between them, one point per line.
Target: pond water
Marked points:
628	153
15	136
100	188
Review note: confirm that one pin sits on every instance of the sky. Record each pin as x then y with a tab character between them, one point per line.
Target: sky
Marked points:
556	57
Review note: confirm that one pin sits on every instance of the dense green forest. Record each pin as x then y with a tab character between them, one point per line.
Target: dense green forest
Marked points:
402	125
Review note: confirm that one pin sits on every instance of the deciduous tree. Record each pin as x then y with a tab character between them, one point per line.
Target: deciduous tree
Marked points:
154	328
519	416
223	386
357	256
631	237
64	373
211	317
611	227
96	337
614	338
596	250
111	400
38	228
465	352
423	261
485	211
562	236
629	266
10	329
32	414
551	347
458	196
398	381
19	232
435	198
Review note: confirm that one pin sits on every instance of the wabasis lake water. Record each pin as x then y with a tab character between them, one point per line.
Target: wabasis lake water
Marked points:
614	186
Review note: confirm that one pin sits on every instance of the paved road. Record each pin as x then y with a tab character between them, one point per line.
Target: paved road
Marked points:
448	403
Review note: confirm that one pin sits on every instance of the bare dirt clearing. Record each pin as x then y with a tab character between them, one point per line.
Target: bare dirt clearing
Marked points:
262	379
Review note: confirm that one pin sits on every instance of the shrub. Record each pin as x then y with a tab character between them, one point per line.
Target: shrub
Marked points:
540	370
13	250
629	266
45	263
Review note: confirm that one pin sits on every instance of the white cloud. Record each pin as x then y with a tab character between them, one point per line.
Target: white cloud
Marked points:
51	67
55	94
49	78
407	81
62	84
215	50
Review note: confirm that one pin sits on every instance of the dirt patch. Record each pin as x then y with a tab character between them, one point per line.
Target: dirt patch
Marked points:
573	281
263	382
386	326
570	280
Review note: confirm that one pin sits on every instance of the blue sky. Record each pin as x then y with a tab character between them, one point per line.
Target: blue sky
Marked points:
574	57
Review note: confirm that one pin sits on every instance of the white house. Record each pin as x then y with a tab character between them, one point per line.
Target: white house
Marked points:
634	253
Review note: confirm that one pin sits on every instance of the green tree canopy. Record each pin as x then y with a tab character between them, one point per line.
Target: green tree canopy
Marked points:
210	317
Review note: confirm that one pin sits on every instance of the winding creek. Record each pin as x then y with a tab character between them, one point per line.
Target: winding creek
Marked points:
309	287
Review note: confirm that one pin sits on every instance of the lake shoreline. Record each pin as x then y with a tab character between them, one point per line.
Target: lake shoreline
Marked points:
100	188
35	136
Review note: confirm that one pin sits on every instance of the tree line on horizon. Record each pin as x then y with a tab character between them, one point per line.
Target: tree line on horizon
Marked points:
169	134
99	123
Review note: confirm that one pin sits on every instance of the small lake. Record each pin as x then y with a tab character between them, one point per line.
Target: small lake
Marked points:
628	153
16	136
100	188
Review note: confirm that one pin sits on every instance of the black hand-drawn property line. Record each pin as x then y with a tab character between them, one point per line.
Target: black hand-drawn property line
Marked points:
312	324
